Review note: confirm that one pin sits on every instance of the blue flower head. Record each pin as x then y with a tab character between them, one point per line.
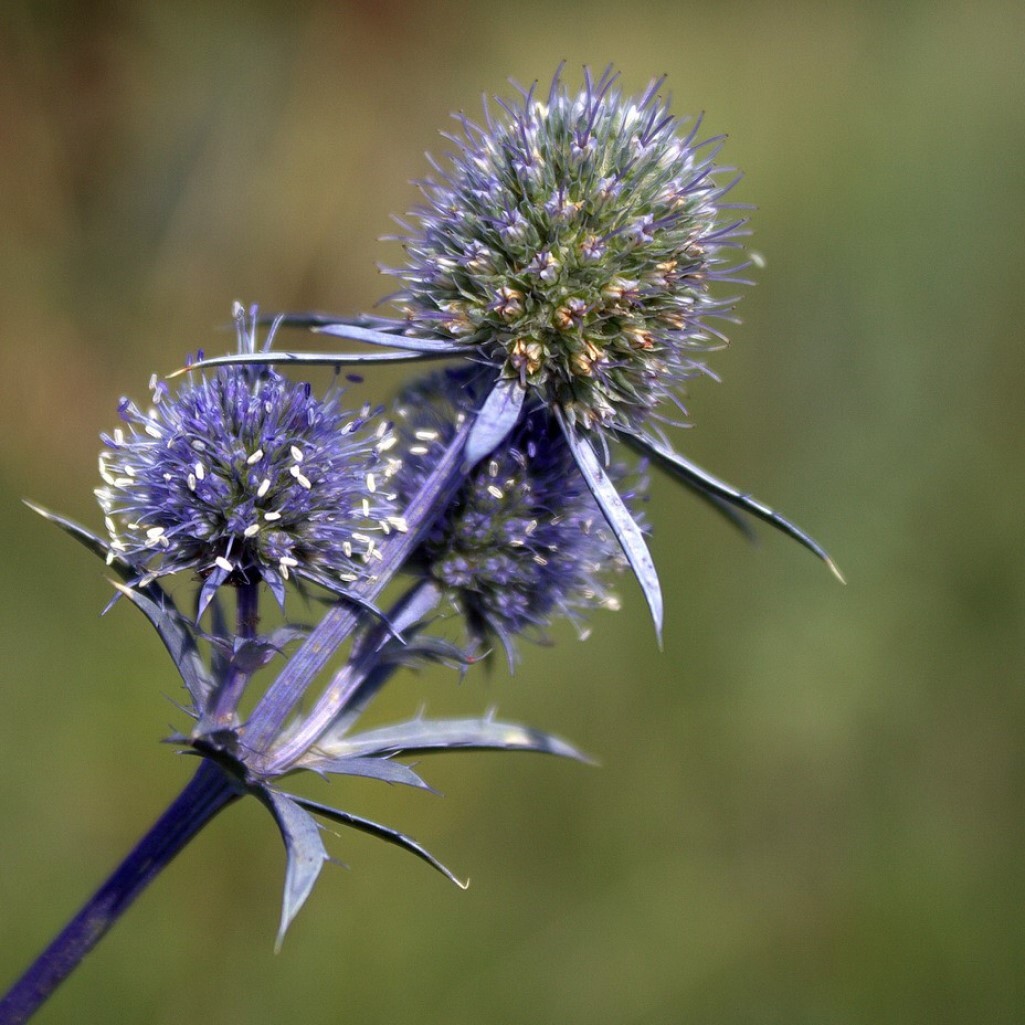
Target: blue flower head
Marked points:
571	248
523	541
246	476
572	242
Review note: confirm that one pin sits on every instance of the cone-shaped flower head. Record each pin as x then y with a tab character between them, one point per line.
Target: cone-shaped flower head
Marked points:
572	242
243	476
523	542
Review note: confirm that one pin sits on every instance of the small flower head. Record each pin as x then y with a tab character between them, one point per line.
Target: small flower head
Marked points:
245	476
572	244
523	541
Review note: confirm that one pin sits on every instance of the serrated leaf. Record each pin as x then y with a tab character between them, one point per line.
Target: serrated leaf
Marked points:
623	525
304	851
373	336
392	836
176	633
305	359
89	540
431	736
720	505
497	417
704	482
383	769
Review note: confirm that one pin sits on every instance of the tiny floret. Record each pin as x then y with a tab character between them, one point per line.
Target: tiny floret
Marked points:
571	243
245	476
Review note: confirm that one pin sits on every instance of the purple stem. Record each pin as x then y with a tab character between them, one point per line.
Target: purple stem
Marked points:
340	620
233	687
209	791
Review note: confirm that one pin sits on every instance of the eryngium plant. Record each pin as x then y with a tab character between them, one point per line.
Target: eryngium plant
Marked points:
573	245
568	257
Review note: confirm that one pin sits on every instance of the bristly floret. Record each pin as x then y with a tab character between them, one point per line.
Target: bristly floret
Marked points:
572	242
523	541
245	476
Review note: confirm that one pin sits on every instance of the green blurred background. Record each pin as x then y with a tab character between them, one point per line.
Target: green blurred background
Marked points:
809	808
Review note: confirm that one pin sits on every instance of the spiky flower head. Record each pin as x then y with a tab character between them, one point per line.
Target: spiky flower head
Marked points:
572	242
523	541
247	476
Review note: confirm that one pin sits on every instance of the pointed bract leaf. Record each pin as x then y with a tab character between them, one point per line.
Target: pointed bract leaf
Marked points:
497	417
385	833
307	359
720	505
383	769
176	633
392	341
85	537
427	736
311	319
623	524
701	480
304	850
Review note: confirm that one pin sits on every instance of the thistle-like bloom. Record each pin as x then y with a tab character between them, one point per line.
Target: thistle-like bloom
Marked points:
572	243
523	541
571	246
246	476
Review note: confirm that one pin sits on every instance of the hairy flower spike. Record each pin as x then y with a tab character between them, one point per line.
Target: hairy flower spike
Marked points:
245	476
572	244
523	541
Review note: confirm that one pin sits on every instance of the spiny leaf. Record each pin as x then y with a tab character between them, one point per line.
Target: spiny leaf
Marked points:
372	768
304	850
428	736
623	524
495	420
176	633
393	341
701	480
385	833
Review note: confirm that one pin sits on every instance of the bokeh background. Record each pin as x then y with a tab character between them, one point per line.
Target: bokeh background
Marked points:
809	807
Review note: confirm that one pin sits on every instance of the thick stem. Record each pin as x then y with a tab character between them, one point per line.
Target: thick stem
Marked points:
209	791
351	682
233	686
341	619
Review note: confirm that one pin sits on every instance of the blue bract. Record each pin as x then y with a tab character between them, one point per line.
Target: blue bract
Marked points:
569	248
246	476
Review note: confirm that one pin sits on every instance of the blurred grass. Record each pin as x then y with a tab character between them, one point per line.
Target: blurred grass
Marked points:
809	807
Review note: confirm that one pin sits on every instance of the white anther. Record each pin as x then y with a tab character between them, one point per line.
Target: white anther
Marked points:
255	457
222	563
252	530
263	488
